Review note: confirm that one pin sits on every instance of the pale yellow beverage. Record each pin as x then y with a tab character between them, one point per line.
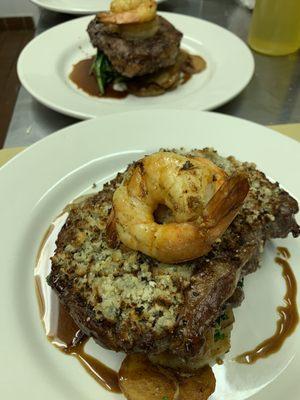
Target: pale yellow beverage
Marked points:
275	27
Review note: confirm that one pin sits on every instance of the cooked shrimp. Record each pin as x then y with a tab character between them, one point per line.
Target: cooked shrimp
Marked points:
118	6
129	12
202	199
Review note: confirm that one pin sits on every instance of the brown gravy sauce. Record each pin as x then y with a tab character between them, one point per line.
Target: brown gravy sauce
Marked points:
84	80
60	328
104	375
284	252
288	315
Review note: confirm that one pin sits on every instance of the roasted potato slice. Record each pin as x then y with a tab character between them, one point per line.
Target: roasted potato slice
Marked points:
199	386
141	380
192	64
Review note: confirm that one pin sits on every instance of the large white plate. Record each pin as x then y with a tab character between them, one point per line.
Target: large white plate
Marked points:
37	184
46	62
75	6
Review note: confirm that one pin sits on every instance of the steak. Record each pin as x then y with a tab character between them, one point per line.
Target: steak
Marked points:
136	57
130	302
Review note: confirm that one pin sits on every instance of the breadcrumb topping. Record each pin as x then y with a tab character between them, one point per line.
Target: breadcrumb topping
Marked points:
125	287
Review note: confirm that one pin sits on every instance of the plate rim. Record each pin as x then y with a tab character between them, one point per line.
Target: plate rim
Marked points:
69	111
213	114
66	133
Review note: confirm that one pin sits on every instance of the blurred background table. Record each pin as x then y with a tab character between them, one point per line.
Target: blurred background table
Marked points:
272	97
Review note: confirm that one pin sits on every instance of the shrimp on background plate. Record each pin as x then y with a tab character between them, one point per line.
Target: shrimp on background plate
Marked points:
129	12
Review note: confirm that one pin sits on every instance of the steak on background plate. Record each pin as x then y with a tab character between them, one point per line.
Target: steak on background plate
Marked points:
136	57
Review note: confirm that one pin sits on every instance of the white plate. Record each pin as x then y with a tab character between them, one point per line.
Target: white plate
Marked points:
38	183
75	6
46	62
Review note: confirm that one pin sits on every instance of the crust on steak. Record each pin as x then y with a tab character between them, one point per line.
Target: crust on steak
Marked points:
129	302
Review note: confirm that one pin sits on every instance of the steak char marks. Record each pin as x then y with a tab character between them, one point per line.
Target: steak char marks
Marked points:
129	302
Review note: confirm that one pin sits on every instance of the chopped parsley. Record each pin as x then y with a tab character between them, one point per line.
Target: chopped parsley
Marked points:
222	317
219	335
240	283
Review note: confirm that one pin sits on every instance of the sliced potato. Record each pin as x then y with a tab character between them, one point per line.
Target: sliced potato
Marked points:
167	78
155	84
192	64
199	386
140	380
147	89
198	63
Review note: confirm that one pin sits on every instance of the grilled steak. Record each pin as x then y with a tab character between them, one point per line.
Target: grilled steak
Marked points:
136	57
128	301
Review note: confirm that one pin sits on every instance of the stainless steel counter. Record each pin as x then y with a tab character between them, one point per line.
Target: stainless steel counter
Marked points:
272	97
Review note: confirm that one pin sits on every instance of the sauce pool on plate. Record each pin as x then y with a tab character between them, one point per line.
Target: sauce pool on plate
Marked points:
60	328
84	80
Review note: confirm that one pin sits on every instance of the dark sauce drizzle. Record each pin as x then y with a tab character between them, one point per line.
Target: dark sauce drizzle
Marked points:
288	315
284	252
71	340
60	328
84	80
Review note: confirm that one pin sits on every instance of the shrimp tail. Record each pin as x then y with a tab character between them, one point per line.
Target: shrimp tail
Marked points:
223	207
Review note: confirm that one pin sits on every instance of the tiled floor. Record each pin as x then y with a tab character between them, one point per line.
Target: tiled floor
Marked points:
15	33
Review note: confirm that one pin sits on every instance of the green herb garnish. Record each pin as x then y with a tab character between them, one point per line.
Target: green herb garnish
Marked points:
165	398
240	283
104	72
222	317
218	334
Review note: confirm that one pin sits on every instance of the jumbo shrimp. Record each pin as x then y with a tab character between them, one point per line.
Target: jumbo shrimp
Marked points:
201	198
